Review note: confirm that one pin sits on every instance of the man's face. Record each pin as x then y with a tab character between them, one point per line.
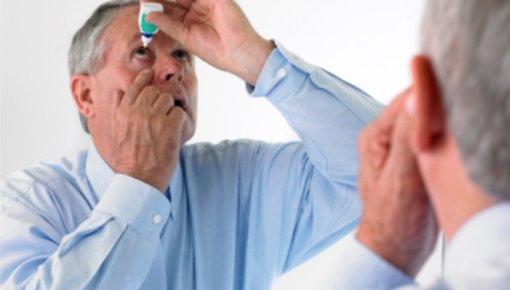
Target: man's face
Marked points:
125	57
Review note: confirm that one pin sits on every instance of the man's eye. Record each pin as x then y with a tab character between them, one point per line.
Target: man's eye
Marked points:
142	53
182	55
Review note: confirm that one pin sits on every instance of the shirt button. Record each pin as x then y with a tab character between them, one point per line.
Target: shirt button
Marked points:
156	218
281	73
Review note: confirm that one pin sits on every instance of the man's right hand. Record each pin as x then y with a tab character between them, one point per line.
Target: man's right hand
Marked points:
146	132
398	222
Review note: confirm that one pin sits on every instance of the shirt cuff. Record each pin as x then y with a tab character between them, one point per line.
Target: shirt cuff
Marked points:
140	205
281	72
285	74
363	269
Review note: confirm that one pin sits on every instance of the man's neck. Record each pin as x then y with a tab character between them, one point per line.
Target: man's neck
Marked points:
455	197
458	208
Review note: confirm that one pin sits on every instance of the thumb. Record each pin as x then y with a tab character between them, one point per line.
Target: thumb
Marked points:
176	118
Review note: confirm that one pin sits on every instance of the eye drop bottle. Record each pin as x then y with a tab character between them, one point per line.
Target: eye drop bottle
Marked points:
148	30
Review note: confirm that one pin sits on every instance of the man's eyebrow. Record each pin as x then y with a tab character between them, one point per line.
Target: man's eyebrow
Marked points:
135	37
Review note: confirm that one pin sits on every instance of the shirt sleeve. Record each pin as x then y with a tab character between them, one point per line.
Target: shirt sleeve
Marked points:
325	111
362	269
123	230
317	177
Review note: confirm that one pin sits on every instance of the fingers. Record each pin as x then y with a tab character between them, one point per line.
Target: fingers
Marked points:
402	129
400	142
401	152
389	116
400	118
185	3
148	96
117	98
174	10
176	118
164	103
171	22
376	139
141	94
385	124
143	79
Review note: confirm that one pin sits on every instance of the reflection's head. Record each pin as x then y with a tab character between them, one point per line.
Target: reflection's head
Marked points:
86	55
469	46
107	54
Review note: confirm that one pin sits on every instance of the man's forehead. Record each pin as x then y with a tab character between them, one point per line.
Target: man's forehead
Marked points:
124	23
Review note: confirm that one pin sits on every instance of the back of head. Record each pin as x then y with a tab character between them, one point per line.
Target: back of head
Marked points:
86	53
468	42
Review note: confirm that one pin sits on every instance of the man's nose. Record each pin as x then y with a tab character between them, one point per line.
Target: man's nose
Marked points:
168	69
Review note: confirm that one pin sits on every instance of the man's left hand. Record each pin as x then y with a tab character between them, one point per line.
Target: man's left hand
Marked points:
218	32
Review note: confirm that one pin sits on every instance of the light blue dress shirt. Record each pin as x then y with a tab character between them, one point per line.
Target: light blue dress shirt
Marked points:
237	214
478	258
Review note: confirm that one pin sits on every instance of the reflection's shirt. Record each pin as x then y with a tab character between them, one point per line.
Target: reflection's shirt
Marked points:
236	216
478	257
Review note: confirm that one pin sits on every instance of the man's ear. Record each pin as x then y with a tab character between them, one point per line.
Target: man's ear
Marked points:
429	120
81	91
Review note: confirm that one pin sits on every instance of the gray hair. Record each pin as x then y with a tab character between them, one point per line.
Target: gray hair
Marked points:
87	52
469	45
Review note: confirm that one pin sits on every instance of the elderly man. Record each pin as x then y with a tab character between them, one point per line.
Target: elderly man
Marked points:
138	209
453	132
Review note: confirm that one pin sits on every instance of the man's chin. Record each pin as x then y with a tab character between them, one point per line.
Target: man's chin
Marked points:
187	133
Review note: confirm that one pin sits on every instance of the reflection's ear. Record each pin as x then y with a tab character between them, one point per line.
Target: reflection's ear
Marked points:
429	124
81	91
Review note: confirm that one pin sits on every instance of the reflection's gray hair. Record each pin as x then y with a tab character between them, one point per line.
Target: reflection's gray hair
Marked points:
469	45
87	52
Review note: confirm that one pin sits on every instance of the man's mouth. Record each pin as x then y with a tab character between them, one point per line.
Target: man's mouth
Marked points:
180	99
179	103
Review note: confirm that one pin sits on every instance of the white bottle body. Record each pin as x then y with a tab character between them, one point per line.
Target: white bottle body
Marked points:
148	30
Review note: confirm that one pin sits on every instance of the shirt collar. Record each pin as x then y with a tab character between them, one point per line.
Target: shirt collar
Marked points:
176	185
100	175
479	239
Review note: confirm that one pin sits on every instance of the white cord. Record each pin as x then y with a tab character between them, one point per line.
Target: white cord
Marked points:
443	253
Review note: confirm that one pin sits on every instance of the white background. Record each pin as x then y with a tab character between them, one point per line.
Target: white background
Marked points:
367	42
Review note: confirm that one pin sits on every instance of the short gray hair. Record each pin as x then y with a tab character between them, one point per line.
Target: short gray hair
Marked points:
469	45
87	52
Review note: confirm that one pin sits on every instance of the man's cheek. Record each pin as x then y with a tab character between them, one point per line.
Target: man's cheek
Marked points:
122	79
190	83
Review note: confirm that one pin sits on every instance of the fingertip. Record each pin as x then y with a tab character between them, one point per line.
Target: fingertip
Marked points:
418	61
146	72
176	118
144	76
169	23
411	105
180	112
153	17
181	116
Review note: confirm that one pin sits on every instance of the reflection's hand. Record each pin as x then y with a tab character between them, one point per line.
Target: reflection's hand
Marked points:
147	130
398	222
218	32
